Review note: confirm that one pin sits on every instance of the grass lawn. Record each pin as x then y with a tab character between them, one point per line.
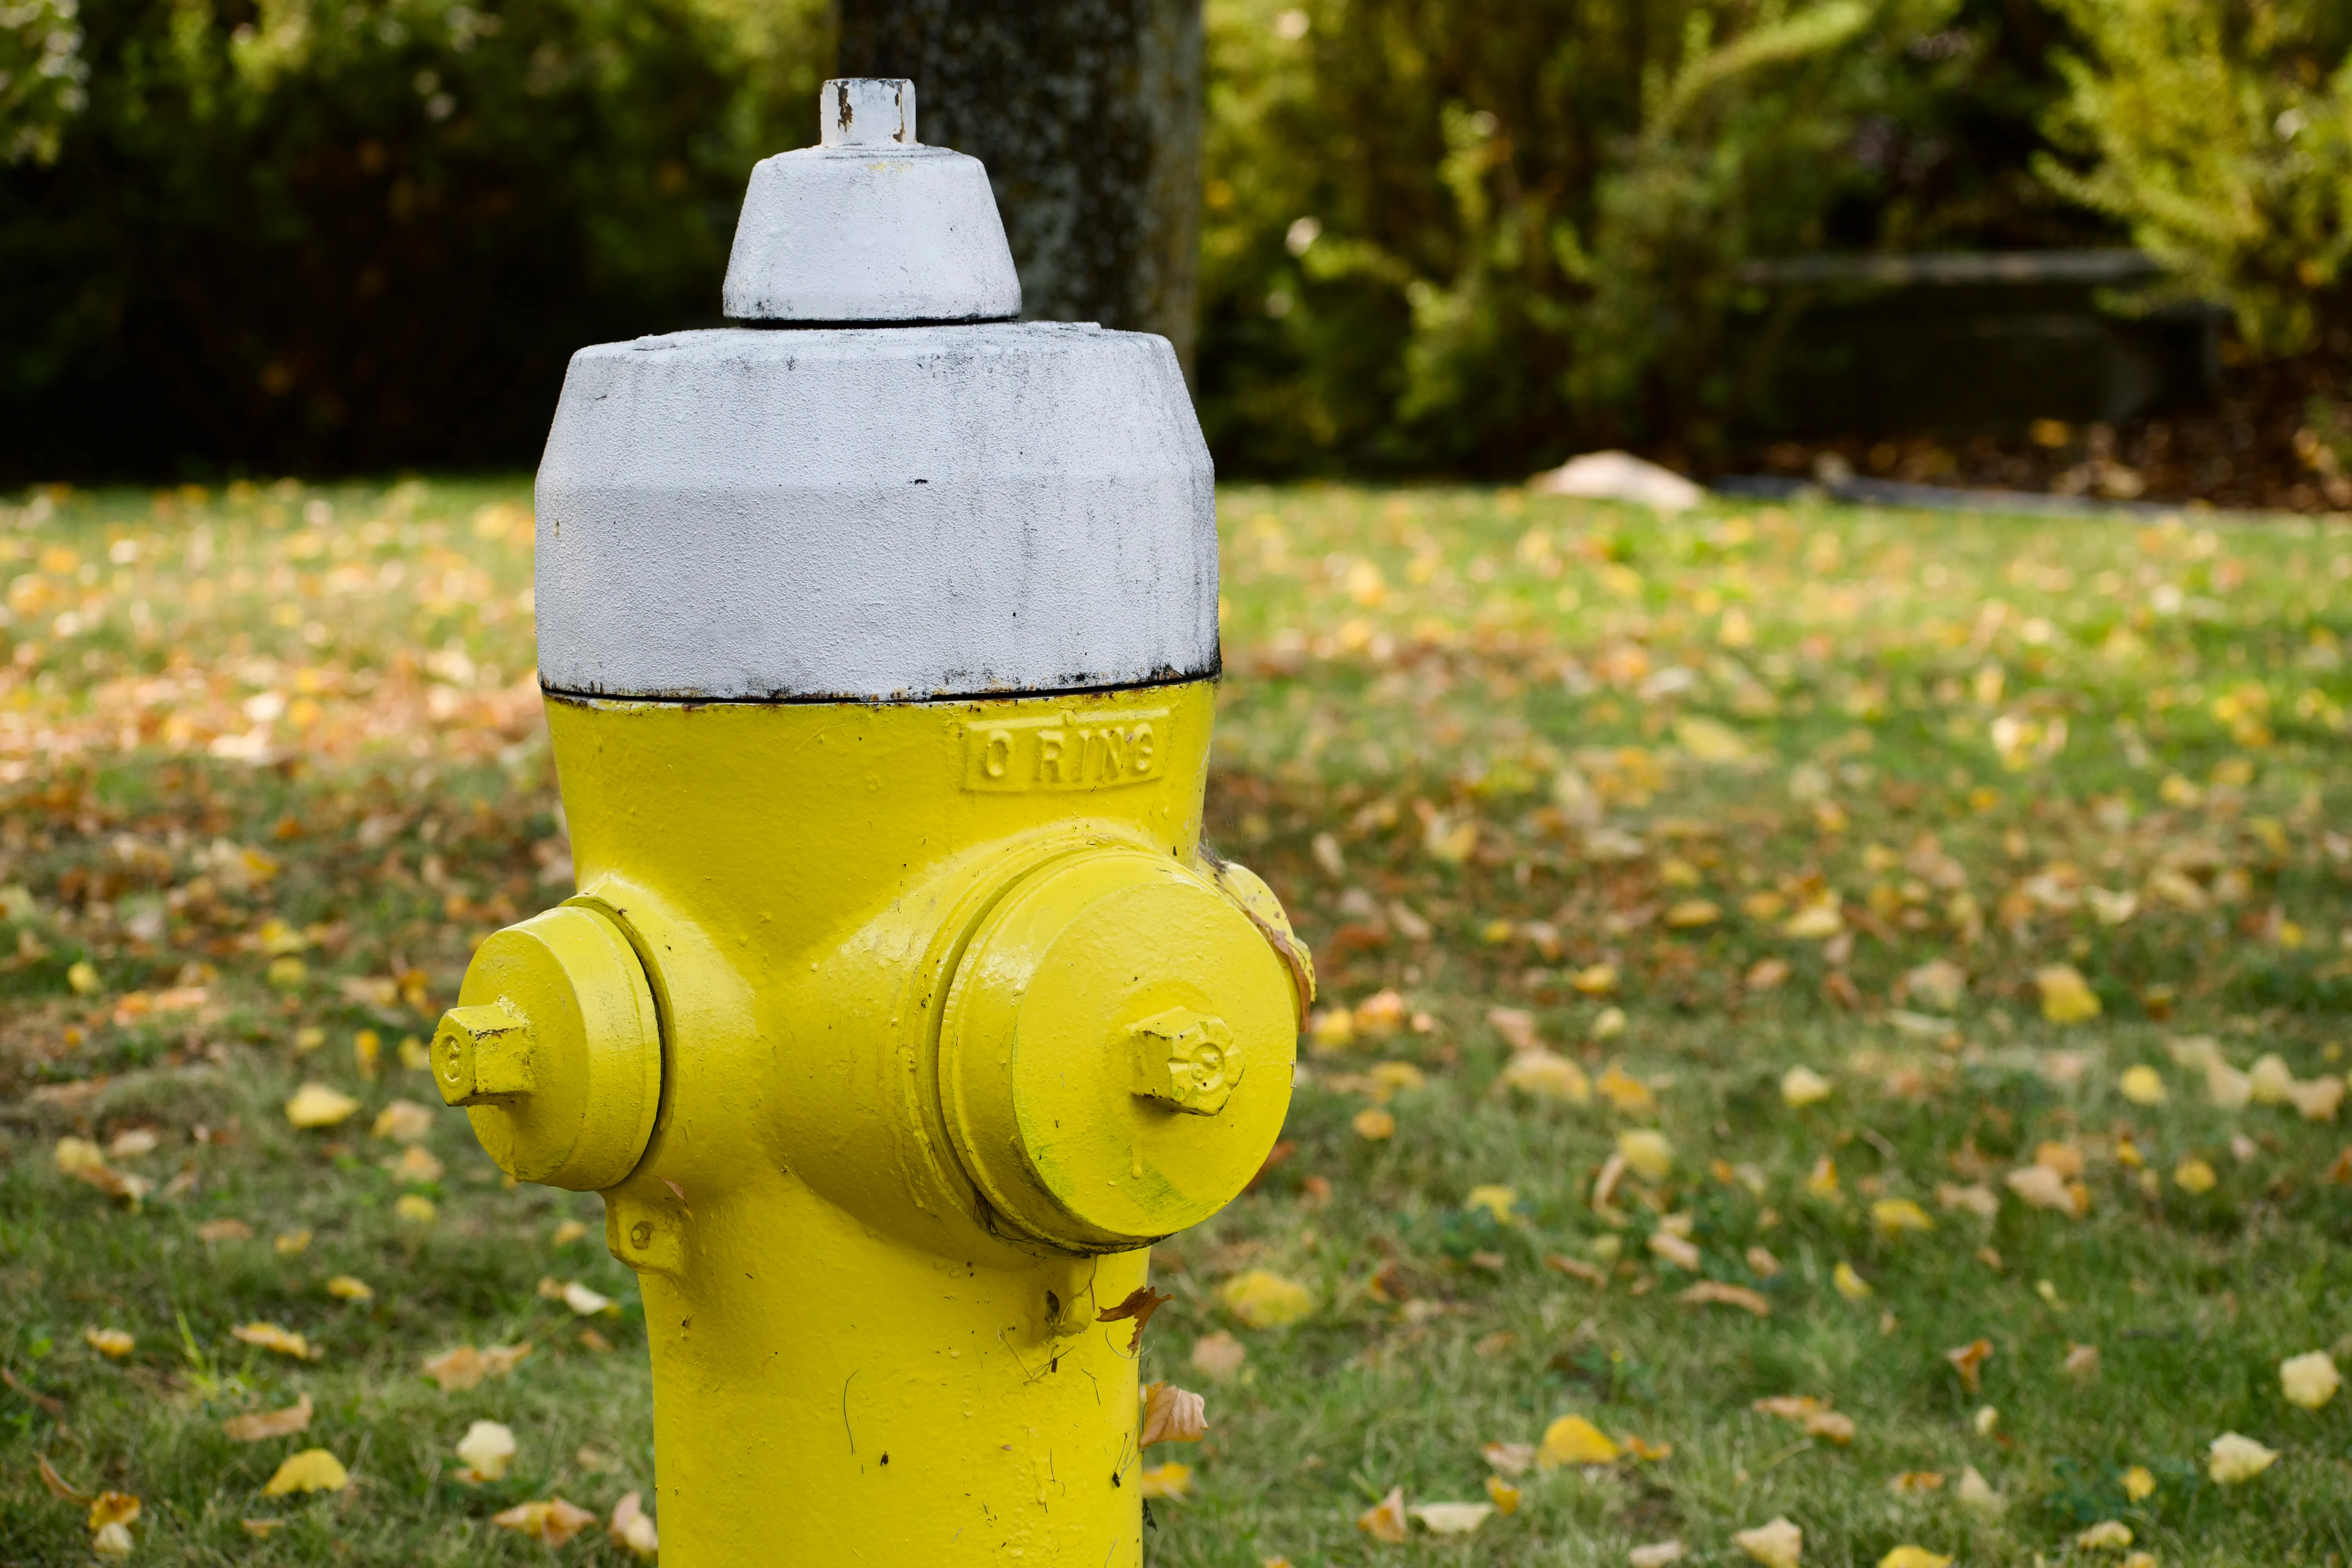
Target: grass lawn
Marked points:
2030	843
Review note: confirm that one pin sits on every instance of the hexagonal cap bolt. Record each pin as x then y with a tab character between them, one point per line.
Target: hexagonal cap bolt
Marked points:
482	1054
1185	1060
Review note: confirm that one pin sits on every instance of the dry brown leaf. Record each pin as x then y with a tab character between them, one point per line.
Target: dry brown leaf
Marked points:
261	1424
1138	1305
1385	1519
1218	1355
553	1523
1714	1292
1968	1361
1172	1414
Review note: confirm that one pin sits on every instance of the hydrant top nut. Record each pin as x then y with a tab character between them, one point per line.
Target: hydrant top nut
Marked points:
1186	1059
555	1050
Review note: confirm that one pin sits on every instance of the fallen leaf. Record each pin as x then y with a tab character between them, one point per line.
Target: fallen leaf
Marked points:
1822	1181
347	1288
2065	1159
1802	1086
1595	980
111	1542
554	1521
316	1105
2194	1176
2040	1187
290	1243
113	1508
1714	1292
1777	1543
1451	1518
1789	1406
585	1303
2309	1379
1385	1519
2066	997
1169	1481
1850	1285
2142	1085
1910	1556
1761	1260
1648	1152
2081	1362
415	1208
58	1487
311	1471
1831	1425
403	1121
262	1424
455	1370
1573	1440
1517	1026
1672	1248
2269	1081
632	1529
1815	922
1974	1492
270	1337
1968	1361
1976	1198
1373	1123
1590	1273
1172	1414
2107	1535
1626	1094
213	1230
1642	1449
2138	1482
1496	1200
2319	1100
487	1448
1137	1306
1893	1217
568	1231
1266	1301
1219	1355
1912	1483
1503	1495
1510	1459
2232	1459
1657	1554
416	1166
1545	1075
111	1343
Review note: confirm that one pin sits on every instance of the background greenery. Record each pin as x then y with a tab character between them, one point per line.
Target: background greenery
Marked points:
1465	236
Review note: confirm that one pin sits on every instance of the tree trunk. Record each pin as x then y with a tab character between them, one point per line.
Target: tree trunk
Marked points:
1087	113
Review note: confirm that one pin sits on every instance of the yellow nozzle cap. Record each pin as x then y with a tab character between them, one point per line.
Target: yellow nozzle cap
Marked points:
1115	1052
555	1050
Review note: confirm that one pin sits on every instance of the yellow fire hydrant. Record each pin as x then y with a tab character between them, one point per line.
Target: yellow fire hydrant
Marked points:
900	1009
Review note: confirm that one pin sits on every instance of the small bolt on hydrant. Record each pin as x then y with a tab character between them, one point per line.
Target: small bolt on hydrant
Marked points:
900	1010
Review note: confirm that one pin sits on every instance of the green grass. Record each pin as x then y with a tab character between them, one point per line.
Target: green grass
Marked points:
1483	744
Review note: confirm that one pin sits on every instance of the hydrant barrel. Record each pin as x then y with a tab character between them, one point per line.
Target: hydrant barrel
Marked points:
900	1008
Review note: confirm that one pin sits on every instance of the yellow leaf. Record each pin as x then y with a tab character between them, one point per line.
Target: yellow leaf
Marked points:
1595	980
83	977
1815	922
568	1231
2066	997
1548	1076
1850	1285
270	1337
290	1243
346	1287
1709	739
415	1207
1374	1123
1495	1200
2318	1100
262	1424
1511	1458
2138	1482
1648	1152
554	1521
487	1448
1451	1518
1169	1481
113	1508
1333	1030
1385	1519
1829	1425
1894	1217
1266	1301
2044	1188
2194	1176
112	1344
2107	1535
2142	1085
2232	1459
311	1471
1503	1495
316	1105
1802	1086
1822	1182
632	1529
1691	914
1911	1483
416	1166
1624	1092
1776	1545
1573	1440
1910	1556
2309	1379
111	1542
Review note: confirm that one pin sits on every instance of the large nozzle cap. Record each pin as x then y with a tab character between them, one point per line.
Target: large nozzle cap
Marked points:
870	226
554	1050
1116	1051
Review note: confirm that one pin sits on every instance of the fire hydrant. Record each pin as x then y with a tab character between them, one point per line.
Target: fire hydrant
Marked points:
900	1009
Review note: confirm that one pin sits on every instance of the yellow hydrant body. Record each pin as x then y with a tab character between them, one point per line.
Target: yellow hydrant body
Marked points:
900	1009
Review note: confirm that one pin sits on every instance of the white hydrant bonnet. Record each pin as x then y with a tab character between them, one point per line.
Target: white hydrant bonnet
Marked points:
863	510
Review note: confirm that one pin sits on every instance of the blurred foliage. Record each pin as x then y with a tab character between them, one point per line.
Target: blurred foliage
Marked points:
41	76
329	235
1477	235
2221	133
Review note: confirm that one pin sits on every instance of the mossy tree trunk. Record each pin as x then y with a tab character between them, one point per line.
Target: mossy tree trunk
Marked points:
1087	113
